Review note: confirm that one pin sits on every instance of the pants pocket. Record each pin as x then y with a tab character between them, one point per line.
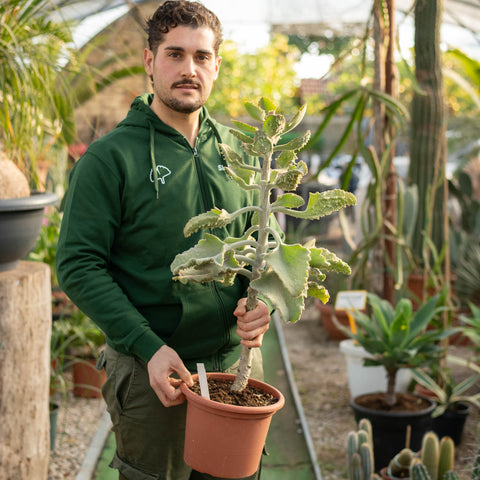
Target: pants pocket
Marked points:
130	471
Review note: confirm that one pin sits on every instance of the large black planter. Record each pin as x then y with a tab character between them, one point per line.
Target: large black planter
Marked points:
390	428
452	422
20	224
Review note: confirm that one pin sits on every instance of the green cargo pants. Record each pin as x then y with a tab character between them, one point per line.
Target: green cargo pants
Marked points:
149	437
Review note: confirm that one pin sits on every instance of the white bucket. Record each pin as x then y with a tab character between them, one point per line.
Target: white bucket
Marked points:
368	379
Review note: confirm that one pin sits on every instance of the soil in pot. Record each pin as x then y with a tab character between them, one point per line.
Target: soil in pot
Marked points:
405	402
219	391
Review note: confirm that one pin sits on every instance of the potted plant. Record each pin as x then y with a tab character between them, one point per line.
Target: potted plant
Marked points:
282	274
452	400
396	337
35	114
88	342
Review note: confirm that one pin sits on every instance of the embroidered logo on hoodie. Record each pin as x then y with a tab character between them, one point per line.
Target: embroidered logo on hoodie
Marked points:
162	172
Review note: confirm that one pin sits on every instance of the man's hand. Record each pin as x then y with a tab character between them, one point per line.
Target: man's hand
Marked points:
163	363
252	325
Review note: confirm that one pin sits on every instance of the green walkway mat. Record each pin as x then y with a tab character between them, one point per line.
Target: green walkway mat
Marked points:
288	454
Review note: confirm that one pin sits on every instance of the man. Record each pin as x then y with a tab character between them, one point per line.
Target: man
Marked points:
129	198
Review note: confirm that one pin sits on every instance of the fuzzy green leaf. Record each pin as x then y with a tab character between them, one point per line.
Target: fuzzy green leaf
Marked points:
325	260
289	180
267	105
286	158
290	263
321	204
244	138
295	144
230	154
318	291
241	176
296	119
289	200
244	127
271	287
214	218
254	111
274	125
208	250
262	145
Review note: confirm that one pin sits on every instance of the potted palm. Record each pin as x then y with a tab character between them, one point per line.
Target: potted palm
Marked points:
280	273
396	337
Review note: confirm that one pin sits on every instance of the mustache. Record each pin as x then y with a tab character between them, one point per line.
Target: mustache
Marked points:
185	82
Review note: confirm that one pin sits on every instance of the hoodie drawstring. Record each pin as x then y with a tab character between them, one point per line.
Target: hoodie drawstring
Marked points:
152	157
152	152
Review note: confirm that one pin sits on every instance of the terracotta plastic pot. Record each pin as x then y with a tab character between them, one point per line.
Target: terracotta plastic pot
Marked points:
227	440
326	316
87	380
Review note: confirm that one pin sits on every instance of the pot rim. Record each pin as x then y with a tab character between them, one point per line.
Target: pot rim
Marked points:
37	200
239	409
394	414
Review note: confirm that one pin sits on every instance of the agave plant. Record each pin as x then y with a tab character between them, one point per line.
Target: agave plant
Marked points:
397	337
281	273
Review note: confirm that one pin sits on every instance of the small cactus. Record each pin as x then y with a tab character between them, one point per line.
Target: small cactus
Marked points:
430	454
420	472
360	453
401	464
446	461
450	475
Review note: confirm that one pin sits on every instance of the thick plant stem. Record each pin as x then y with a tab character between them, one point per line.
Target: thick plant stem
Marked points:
245	364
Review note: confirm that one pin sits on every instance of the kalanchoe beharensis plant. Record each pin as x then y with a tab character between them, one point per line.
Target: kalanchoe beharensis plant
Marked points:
282	274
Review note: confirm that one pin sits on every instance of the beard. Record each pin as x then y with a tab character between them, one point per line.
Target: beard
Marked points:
178	105
181	107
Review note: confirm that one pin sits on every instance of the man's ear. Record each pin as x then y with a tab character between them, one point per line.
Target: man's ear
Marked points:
218	61
148	61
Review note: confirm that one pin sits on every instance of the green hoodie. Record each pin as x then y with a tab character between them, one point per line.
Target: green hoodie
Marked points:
123	225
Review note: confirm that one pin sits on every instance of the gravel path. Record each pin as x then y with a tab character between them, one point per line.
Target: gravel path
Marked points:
78	420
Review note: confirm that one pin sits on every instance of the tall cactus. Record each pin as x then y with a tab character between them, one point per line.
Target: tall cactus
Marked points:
360	452
427	138
446	460
430	454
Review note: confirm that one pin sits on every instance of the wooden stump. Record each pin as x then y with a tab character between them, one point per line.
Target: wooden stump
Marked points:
25	330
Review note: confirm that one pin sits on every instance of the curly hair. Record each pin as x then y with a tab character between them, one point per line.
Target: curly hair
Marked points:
172	13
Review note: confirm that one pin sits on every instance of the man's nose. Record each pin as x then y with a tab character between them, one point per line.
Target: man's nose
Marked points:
189	68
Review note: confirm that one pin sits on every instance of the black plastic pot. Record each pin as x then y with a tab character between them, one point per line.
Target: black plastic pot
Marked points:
20	224
452	422
390	429
53	411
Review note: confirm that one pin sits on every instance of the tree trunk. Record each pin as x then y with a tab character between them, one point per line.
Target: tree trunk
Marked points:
25	330
427	138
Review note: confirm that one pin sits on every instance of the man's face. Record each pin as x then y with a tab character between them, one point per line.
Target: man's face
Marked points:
183	69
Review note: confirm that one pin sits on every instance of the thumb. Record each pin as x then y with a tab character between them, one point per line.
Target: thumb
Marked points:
185	376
